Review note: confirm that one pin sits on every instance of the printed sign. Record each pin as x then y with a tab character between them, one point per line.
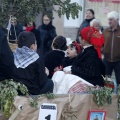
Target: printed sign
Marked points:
48	112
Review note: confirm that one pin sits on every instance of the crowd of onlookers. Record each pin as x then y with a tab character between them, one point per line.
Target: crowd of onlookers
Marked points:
44	34
43	61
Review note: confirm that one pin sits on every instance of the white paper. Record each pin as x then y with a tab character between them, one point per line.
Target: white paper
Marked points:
48	111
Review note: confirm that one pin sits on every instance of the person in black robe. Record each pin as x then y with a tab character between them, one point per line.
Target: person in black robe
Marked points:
6	58
54	57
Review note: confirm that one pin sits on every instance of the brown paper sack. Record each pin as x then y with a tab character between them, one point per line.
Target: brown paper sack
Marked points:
80	102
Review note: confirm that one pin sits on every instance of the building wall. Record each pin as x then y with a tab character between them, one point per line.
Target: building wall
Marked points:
69	28
102	8
58	23
70	33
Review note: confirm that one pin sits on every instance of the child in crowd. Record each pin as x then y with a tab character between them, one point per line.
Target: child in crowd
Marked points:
29	68
53	58
72	51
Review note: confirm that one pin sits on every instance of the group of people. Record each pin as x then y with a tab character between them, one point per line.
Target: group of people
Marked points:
59	67
109	47
44	34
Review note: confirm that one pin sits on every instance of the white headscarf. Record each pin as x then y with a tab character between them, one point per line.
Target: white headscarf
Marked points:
113	14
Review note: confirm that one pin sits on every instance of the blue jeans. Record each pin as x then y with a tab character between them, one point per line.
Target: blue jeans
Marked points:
110	66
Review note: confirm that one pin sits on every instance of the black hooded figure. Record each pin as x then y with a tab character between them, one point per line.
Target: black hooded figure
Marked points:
6	58
47	34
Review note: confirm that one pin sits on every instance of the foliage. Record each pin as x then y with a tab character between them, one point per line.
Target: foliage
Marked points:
28	9
102	95
9	90
34	99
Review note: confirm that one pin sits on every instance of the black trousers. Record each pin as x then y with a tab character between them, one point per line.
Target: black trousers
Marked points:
110	66
48	87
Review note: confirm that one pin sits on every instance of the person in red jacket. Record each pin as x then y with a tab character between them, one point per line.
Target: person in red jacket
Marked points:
31	27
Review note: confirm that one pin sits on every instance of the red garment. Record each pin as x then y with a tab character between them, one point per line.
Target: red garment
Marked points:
78	46
115	1
109	85
29	28
98	43
96	0
93	36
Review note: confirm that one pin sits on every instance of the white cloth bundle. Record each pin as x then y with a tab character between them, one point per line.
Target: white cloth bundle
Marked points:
63	82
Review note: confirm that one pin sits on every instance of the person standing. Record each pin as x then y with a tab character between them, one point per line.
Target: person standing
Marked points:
31	27
97	25
90	15
111	46
47	34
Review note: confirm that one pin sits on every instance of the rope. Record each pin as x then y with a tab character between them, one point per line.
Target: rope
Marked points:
9	26
69	102
91	102
69	113
15	34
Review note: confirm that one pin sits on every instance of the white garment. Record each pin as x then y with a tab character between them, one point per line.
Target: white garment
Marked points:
9	26
63	82
66	69
87	46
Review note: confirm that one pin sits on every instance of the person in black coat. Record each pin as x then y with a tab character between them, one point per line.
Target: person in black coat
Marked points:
90	15
47	34
53	58
29	67
6	58
88	65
